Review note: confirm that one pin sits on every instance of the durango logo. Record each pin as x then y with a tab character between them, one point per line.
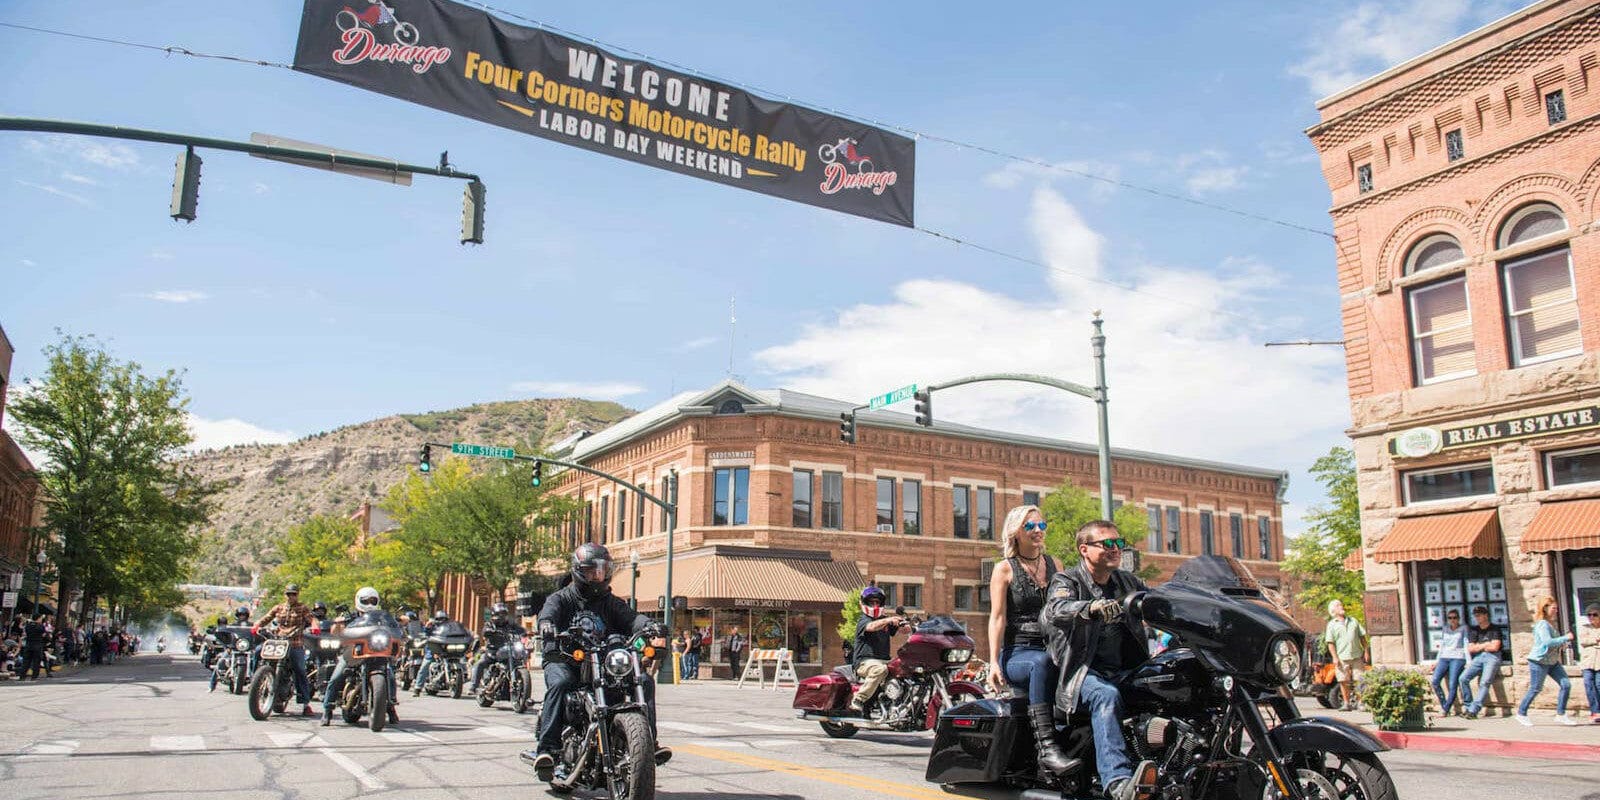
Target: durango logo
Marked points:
848	168
359	39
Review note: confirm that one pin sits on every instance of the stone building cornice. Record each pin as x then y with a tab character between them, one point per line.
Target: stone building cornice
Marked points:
1400	423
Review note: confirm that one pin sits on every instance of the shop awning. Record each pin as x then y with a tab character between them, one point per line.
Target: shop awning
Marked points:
1353	562
1468	534
747	577
1573	525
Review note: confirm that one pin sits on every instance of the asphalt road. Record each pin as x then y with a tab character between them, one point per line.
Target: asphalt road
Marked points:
148	728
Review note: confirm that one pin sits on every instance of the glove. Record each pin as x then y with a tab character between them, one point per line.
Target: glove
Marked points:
1106	610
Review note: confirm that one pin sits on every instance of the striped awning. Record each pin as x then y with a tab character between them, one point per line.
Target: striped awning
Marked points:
734	577
1573	525
1468	534
1354	561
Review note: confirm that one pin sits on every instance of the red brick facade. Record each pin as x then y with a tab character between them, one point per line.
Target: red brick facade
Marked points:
19	493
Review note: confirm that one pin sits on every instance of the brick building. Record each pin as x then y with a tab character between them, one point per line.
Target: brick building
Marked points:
778	519
19	500
1464	188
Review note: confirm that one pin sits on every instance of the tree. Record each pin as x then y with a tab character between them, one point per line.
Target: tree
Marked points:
119	510
422	554
1070	506
850	617
320	555
1333	532
500	524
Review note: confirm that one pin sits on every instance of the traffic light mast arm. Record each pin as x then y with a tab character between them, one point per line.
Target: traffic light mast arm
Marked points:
640	490
1043	380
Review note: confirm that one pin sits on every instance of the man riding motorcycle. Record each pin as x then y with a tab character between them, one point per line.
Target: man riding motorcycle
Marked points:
366	600
590	590
1092	640
291	618
499	632
874	635
440	617
241	617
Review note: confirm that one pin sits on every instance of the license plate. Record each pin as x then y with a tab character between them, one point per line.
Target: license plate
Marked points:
275	649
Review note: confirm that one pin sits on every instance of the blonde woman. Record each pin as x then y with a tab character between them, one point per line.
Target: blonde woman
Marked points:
1545	659
1016	639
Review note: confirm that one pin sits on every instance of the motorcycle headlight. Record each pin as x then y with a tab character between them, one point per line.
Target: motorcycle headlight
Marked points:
328	644
242	645
619	663
1284	659
957	656
455	648
380	641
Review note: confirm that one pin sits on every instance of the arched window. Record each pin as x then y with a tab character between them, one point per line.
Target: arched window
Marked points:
1531	222
730	406
1438	250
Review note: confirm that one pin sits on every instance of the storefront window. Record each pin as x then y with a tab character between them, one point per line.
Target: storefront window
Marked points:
805	636
1571	467
1446	483
769	631
1443	587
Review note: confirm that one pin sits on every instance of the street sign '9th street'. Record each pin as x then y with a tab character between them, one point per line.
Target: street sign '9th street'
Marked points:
483	451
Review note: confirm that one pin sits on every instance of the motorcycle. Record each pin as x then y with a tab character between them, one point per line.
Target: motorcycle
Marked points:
1195	710
194	644
506	677
161	647
607	741
234	658
919	686
415	647
273	682
448	645
371	643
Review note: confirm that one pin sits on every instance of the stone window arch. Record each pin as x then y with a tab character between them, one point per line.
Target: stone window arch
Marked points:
1433	252
1529	222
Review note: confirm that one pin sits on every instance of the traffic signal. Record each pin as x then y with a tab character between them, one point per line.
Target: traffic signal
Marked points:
538	474
924	407
472	213
847	428
186	186
425	464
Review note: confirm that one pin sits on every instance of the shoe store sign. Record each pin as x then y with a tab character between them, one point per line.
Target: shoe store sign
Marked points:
1419	442
461	60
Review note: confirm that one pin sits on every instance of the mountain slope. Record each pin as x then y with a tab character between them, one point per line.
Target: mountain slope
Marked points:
271	487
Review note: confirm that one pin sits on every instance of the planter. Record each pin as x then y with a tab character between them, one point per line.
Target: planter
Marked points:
1397	698
1413	719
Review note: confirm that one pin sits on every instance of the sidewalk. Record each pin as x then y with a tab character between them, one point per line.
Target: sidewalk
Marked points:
1486	736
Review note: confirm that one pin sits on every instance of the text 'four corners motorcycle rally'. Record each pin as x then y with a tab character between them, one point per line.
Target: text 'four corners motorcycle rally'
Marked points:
607	741
1213	712
918	687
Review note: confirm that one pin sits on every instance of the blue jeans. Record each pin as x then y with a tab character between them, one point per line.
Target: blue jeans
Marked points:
559	679
1104	704
1448	669
422	674
1486	665
1591	690
1029	669
302	684
691	665
1536	676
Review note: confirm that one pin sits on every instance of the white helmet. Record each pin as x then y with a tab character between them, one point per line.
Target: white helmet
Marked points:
367	599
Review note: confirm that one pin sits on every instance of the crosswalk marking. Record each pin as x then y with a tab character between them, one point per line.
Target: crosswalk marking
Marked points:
766	726
403	737
177	743
728	743
504	732
57	747
172	677
288	739
684	727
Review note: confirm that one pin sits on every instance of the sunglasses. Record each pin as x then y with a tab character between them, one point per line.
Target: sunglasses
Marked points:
1112	544
1035	526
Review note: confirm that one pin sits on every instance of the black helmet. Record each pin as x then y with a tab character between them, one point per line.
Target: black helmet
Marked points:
319	610
592	569
498	611
241	613
440	616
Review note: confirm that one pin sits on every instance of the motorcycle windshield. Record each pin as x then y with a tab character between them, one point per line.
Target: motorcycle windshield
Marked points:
1212	604
450	632
1219	573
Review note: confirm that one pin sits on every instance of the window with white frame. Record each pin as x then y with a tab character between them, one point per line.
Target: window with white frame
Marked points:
1264	533
800	515
1155	539
961	511
1236	532
1447	483
1455	148
885	505
1570	467
731	496
911	507
1441	331
985	513
833	500
1542	308
1206	545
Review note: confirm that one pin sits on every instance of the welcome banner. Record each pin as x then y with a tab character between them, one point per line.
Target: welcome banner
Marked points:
458	59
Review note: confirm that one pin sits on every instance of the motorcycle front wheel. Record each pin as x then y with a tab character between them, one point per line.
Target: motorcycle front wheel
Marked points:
488	690
520	692
633	768
839	730
1349	776
378	690
455	684
240	679
262	689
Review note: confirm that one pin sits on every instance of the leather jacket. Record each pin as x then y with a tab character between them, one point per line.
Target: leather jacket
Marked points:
1074	636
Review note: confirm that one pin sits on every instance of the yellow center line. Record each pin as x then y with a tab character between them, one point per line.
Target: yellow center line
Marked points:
914	792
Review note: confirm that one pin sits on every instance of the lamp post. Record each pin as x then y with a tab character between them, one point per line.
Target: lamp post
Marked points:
38	580
633	588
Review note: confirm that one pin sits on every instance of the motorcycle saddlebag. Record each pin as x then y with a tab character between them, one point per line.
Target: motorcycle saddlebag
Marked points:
826	692
974	742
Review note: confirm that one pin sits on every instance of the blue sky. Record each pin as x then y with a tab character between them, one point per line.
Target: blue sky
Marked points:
301	300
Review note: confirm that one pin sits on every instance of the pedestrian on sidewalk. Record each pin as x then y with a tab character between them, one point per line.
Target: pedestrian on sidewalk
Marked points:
734	648
1452	659
1545	660
1486	645
1589	659
1347	643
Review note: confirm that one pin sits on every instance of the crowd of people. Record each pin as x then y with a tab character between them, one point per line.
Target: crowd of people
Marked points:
35	646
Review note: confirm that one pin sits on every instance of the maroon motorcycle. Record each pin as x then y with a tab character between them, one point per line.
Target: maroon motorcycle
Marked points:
918	687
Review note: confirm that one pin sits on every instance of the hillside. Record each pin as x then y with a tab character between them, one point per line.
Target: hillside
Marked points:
271	487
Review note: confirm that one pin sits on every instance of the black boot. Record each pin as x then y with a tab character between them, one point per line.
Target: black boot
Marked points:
1051	759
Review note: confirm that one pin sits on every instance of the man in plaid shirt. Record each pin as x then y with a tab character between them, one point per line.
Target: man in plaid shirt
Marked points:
292	617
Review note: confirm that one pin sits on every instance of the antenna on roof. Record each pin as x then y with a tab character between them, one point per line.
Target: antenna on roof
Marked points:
733	329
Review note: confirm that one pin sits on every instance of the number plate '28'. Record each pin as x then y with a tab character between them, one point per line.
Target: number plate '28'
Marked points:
275	649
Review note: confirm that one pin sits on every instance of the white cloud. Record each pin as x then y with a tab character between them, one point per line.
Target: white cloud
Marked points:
1215	179
57	191
159	255
1374	36
110	155
210	434
28	262
260	188
1187	374
176	296
697	343
76	178
591	391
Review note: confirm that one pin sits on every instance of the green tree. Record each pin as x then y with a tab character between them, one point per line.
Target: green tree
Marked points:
1333	532
119	509
1069	506
500	525
320	555
852	615
421	554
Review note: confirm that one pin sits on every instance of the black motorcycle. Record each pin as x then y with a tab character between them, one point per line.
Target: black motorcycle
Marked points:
506	677
371	644
607	742
195	641
448	646
1213	712
416	647
232	664
273	682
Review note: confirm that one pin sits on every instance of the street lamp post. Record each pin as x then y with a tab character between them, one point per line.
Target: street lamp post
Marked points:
633	588
38	580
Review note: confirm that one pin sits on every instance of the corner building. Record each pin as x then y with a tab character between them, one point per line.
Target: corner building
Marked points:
1464	184
779	519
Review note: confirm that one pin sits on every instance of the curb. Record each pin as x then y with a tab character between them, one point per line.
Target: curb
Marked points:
1561	751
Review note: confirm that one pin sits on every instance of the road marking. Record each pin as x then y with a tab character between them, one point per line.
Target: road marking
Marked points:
177	743
719	743
504	732
773	742
877	785
58	747
684	727
172	677
402	737
288	739
360	773
119	680
767	726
